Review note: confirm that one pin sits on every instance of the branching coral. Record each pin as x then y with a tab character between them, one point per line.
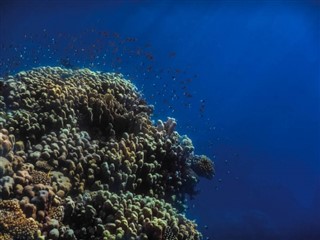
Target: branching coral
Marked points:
13	222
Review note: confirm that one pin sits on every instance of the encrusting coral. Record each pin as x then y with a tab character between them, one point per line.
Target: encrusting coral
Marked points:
80	158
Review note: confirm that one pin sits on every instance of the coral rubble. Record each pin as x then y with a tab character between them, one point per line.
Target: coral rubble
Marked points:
80	158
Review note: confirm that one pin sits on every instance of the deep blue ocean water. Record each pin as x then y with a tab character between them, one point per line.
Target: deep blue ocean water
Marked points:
242	78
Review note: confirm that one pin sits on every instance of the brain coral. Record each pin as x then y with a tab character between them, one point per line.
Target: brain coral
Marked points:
83	159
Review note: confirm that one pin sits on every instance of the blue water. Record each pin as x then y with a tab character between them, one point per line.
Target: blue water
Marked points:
241	78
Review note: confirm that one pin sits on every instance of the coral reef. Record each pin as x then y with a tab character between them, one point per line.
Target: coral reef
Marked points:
80	158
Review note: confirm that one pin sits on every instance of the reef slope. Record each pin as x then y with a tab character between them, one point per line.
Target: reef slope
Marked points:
80	158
